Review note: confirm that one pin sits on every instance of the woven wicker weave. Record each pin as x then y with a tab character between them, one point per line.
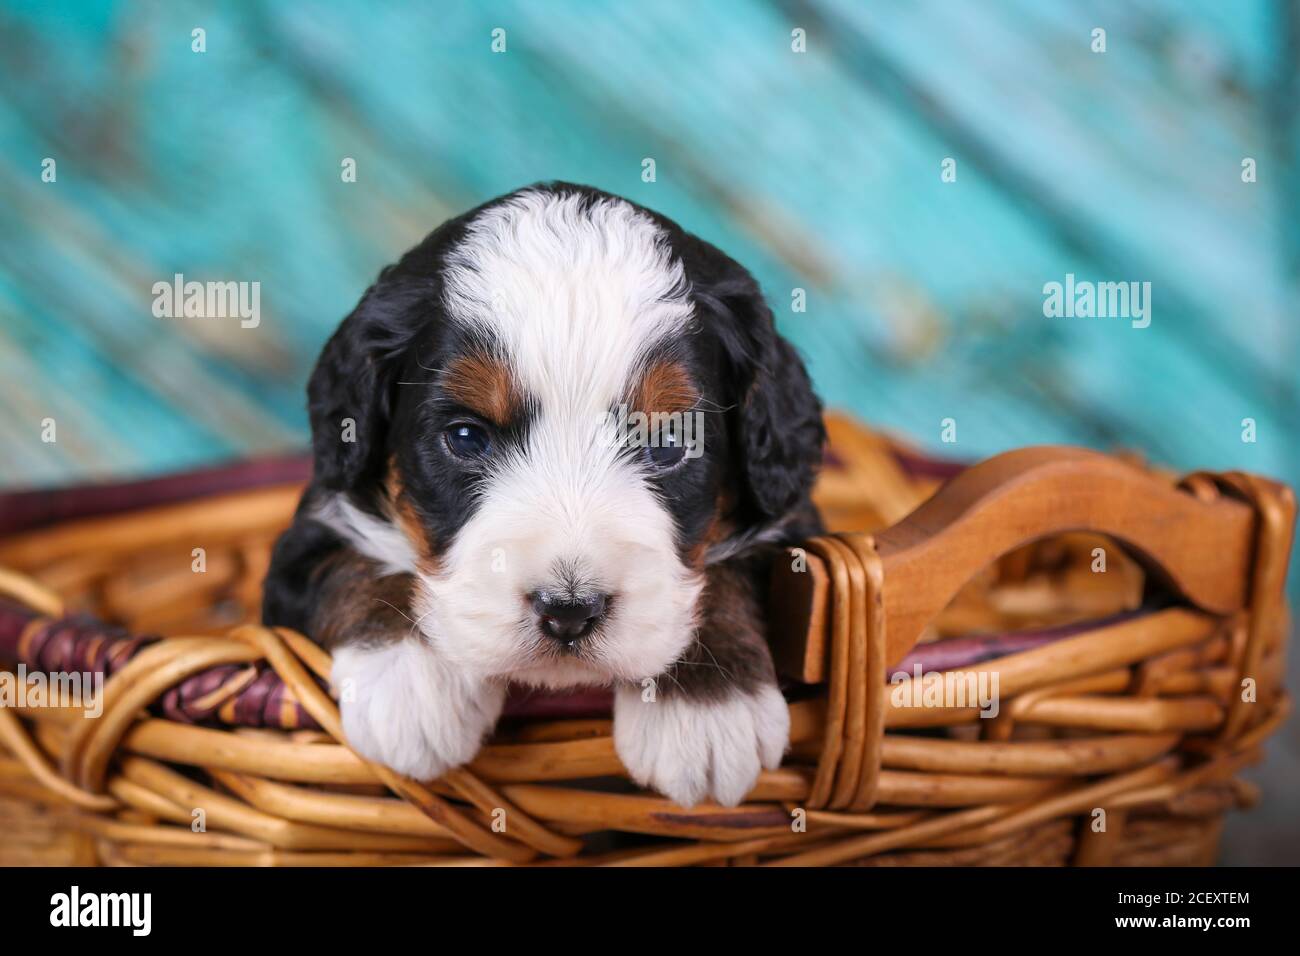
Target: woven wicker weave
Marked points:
1128	699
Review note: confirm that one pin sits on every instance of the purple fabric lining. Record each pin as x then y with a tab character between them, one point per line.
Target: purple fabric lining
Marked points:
916	465
975	649
28	510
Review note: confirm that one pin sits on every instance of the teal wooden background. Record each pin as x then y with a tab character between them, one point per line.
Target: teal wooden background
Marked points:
819	170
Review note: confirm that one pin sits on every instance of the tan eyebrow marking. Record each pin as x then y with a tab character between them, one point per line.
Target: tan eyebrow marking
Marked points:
483	384
665	387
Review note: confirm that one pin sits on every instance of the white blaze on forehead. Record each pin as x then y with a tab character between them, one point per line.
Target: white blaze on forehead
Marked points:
575	295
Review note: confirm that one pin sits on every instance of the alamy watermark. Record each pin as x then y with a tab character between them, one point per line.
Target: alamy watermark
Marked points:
133	911
946	689
1098	300
624	428
82	689
179	299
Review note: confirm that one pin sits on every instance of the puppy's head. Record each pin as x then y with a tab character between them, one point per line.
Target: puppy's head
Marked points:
556	411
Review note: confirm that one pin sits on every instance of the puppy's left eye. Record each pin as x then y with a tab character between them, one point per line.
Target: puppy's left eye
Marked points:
666	451
466	440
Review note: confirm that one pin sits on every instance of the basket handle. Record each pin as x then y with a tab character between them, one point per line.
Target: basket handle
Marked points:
1201	546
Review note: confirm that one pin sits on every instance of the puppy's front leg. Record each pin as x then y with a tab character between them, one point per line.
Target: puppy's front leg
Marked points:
403	707
711	722
401	704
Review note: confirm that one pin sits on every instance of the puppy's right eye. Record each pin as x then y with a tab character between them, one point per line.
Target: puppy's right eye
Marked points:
466	440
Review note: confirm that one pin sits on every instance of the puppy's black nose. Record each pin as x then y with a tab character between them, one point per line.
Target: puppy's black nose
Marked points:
568	620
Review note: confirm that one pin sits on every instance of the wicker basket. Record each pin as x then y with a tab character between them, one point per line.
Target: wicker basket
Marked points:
1134	625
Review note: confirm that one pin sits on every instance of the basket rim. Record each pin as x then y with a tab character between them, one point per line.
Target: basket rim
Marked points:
1192	739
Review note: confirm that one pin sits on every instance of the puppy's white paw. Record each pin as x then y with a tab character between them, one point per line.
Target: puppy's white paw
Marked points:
405	708
690	751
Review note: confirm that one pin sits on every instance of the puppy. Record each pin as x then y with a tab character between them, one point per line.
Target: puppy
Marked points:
555	444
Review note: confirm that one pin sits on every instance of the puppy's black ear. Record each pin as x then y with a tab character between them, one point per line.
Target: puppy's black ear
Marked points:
778	418
350	393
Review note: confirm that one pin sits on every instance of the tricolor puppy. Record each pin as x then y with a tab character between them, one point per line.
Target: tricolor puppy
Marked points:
555	444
